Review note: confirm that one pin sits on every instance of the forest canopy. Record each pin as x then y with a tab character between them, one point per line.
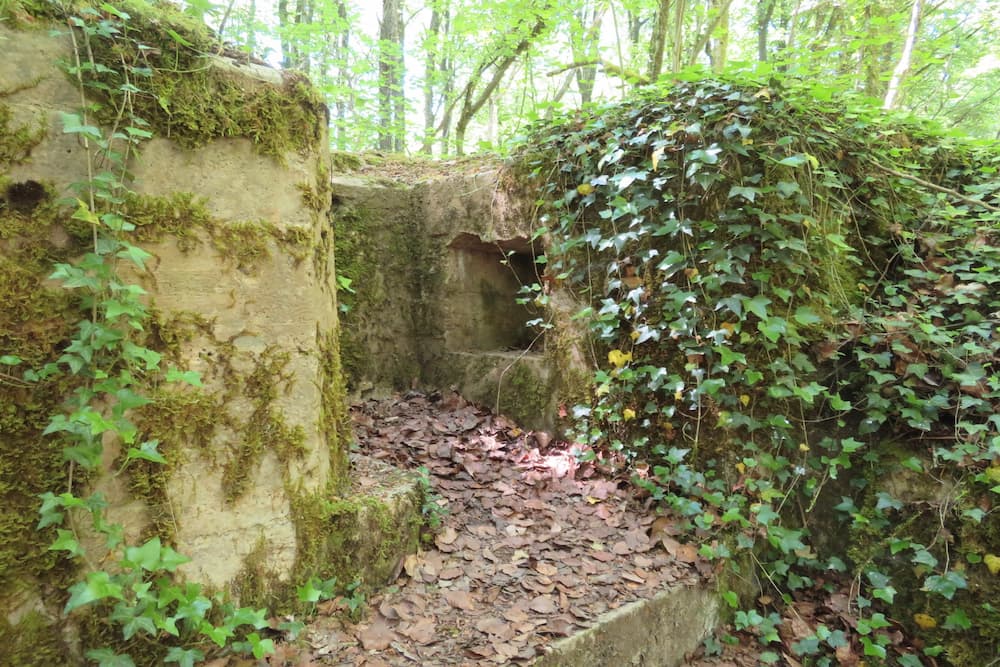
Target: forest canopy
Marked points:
451	76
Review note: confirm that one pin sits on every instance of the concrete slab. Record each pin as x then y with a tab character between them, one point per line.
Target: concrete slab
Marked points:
657	632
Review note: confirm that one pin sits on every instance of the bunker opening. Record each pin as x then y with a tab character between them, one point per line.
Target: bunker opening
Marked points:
489	312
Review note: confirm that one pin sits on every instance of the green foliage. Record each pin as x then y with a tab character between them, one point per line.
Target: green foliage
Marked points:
432	510
798	303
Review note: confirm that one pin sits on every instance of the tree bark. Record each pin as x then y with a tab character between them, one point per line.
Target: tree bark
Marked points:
473	101
391	102
657	41
905	58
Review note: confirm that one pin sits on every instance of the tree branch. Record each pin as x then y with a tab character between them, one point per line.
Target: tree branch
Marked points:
938	188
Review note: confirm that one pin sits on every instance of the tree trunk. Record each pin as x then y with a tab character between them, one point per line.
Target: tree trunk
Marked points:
721	15
765	10
657	41
432	46
905	58
677	40
390	77
473	101
584	43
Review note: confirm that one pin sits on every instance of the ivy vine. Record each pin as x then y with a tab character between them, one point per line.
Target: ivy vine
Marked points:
797	306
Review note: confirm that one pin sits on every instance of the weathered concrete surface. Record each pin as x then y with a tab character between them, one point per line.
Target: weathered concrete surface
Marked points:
649	633
376	524
280	308
437	266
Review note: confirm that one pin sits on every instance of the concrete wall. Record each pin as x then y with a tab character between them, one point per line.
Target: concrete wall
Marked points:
247	298
437	265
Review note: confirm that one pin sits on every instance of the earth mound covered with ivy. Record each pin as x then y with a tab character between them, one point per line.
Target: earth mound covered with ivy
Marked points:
795	309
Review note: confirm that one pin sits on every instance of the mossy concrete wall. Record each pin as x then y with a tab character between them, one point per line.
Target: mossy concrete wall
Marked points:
242	290
436	263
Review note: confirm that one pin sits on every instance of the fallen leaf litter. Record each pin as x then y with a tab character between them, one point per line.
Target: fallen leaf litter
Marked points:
535	545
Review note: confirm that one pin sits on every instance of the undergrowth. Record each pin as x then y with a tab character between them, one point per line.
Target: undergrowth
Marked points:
797	305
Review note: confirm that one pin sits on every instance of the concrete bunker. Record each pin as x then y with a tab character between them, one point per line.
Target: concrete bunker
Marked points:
484	282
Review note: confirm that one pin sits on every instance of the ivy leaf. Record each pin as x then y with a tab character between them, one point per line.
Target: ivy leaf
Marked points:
946	584
105	657
97	586
184	657
957	620
146	452
170	560
805	315
177	38
757	305
750	194
146	556
796	160
192	378
134	254
66	541
73	124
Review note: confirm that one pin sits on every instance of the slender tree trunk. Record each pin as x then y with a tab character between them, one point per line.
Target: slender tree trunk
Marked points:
432	47
765	10
286	47
677	41
473	101
721	16
657	41
905	59
720	43
390	77
584	43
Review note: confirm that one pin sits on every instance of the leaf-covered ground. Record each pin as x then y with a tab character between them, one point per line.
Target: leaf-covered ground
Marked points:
534	545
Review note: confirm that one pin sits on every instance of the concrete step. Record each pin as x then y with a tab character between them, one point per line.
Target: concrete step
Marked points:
656	632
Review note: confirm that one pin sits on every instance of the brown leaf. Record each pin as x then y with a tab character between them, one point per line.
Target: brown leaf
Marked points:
460	599
377	636
445	537
546	569
411	565
544	604
496	627
422	631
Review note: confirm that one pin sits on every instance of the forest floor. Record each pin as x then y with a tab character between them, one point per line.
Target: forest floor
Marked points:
533	545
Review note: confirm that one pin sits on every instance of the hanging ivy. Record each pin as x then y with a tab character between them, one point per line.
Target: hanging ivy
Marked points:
798	305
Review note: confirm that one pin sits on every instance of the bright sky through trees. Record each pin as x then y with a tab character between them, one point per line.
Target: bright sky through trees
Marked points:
450	76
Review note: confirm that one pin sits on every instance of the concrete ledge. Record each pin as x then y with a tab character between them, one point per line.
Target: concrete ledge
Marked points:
650	633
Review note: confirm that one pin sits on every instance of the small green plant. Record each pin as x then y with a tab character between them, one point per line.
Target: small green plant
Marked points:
355	600
431	507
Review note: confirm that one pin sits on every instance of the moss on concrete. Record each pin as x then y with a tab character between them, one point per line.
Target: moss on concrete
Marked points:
32	641
265	428
17	142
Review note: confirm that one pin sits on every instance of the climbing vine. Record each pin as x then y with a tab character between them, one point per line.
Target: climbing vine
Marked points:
798	310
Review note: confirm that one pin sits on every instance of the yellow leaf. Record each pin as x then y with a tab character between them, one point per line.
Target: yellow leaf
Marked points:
992	563
741	467
617	358
803	447
602	389
592	500
993	474
678	396
729	328
925	621
657	154
628	413
745	399
634	335
585	189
